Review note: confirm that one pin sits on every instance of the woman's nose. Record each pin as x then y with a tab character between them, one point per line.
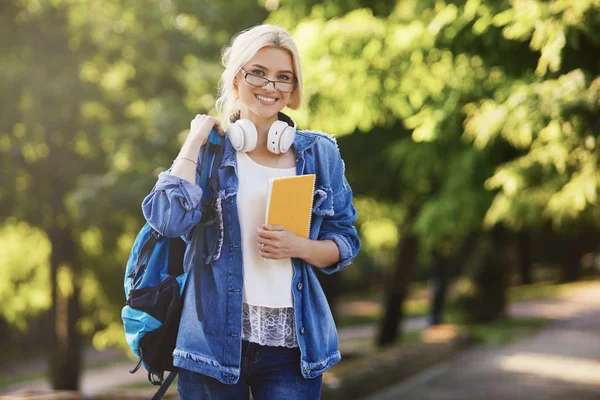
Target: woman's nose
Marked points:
270	86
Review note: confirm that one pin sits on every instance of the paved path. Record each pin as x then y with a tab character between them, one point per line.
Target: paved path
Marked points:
560	362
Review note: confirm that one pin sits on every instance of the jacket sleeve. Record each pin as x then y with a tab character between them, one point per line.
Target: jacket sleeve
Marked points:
339	227
174	205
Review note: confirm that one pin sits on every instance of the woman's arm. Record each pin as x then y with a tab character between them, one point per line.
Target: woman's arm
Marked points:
173	207
282	243
320	253
185	164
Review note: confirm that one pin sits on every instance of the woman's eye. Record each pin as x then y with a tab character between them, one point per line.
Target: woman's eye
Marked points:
284	77
257	72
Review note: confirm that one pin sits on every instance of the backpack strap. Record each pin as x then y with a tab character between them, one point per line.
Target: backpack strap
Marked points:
213	147
213	150
165	386
144	257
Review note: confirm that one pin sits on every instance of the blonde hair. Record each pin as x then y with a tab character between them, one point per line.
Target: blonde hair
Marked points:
243	47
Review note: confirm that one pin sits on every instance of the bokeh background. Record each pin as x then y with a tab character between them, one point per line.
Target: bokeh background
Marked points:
469	131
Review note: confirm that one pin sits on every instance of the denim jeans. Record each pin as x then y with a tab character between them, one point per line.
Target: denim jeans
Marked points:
271	373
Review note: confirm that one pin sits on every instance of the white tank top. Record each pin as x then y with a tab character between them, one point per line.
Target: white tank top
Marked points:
267	283
268	310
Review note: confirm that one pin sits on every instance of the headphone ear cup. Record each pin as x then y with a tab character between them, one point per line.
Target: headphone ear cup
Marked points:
281	137
287	138
235	134
243	135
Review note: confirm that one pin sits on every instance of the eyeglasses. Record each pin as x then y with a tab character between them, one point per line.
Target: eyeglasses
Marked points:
259	81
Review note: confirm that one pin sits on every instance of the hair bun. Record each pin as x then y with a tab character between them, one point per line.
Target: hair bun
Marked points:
235	116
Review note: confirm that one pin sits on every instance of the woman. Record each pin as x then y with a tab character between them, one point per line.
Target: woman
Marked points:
265	324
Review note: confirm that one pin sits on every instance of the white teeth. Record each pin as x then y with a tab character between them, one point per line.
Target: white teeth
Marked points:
265	99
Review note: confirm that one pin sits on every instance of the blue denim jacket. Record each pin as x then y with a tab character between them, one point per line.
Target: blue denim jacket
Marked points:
212	346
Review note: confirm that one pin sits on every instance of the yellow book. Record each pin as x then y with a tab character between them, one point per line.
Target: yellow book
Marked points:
290	201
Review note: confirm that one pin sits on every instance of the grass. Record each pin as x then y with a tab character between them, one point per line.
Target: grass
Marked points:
367	344
499	332
418	304
505	331
543	290
8	380
345	321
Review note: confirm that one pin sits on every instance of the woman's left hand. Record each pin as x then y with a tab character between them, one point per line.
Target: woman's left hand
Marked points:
276	242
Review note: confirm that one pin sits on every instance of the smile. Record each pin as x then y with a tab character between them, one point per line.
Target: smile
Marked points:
263	99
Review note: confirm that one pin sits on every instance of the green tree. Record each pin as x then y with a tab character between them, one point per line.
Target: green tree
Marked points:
474	102
94	97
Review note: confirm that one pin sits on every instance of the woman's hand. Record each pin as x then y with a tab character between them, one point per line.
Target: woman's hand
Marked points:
201	126
276	242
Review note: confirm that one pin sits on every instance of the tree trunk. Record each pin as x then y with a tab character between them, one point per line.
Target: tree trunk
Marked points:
397	290
65	364
524	257
570	259
439	284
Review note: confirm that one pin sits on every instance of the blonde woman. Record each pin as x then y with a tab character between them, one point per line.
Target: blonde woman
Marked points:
255	317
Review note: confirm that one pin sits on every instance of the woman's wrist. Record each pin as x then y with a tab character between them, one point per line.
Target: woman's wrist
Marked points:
191	148
320	253
302	247
186	161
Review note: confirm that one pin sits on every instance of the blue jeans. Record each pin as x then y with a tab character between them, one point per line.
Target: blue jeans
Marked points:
271	373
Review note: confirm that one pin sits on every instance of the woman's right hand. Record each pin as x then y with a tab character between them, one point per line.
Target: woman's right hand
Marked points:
201	126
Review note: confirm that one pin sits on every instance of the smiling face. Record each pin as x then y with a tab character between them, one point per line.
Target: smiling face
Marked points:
263	103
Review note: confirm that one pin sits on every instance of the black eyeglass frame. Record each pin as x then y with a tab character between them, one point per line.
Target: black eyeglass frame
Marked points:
267	81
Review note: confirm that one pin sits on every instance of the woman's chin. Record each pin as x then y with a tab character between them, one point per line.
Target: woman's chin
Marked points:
267	112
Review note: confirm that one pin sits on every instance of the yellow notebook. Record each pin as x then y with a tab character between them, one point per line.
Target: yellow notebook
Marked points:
290	201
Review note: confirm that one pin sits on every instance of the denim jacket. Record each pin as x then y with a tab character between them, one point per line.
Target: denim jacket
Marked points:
212	346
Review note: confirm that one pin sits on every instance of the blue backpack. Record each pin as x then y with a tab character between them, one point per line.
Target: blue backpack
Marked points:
155	280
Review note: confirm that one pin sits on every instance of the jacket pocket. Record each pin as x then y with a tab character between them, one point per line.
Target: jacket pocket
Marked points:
323	201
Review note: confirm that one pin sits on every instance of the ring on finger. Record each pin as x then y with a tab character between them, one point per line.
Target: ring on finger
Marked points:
262	247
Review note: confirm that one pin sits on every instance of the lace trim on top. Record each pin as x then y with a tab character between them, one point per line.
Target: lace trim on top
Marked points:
269	326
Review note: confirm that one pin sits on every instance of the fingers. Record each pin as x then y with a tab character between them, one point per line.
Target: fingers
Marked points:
267	251
263	248
273	227
219	128
268	246
267	242
208	121
269	235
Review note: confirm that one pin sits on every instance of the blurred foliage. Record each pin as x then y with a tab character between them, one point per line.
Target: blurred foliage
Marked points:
24	269
452	116
94	94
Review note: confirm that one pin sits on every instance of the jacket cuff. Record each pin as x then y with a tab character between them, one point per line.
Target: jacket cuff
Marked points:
345	249
192	193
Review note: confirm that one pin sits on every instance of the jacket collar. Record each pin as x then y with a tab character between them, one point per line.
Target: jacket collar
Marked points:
302	142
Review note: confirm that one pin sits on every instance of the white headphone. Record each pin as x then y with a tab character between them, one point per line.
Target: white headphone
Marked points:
243	136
